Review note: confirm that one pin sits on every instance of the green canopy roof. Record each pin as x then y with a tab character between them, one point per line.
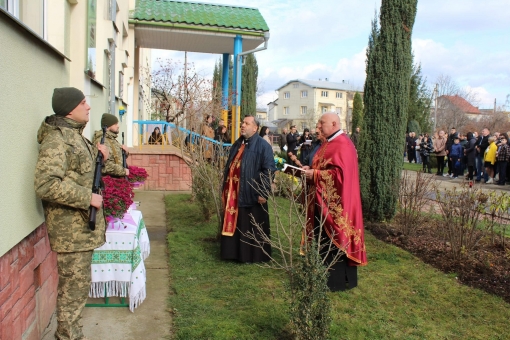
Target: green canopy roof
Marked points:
195	13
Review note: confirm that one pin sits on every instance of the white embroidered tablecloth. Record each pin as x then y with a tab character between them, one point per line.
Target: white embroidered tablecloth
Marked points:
117	266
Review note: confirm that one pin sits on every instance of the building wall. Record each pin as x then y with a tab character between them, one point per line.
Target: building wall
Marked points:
272	111
314	102
28	276
29	72
295	101
28	287
165	167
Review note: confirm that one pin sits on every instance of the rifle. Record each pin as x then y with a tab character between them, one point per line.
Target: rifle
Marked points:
124	156
96	186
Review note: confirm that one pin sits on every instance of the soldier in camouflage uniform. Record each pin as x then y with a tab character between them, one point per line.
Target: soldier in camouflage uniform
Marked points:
113	166
63	180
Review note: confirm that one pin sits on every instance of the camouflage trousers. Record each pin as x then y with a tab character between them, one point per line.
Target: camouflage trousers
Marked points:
73	289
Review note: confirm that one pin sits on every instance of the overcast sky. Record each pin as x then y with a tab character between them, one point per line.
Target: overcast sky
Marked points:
310	39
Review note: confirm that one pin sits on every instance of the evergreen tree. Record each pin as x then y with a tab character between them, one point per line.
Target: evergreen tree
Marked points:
386	102
357	112
216	88
249	86
217	91
419	101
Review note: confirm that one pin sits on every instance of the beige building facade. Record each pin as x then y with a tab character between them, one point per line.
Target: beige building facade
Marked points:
301	102
87	44
55	43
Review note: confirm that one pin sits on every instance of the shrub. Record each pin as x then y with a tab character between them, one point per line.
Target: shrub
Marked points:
462	215
310	307
415	190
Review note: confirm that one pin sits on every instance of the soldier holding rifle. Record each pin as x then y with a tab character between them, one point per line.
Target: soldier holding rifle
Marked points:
63	181
114	165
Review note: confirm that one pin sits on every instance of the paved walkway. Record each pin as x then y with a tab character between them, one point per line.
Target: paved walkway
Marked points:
449	183
151	320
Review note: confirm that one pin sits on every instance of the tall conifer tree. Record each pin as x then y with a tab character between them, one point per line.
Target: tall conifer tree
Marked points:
419	101
249	86
216	90
386	99
357	112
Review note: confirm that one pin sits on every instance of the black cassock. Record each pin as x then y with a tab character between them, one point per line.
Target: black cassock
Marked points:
235	247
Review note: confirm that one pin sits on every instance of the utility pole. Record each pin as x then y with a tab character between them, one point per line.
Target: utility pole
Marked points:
435	108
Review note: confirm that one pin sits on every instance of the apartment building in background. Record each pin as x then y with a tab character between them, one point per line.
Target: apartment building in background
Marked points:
300	102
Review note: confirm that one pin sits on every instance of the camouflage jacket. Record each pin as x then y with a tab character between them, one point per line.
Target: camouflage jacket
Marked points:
63	181
113	165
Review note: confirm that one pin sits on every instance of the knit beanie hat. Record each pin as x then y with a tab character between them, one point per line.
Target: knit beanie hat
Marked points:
65	100
108	120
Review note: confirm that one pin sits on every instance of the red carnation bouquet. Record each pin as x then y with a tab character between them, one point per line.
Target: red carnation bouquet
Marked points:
137	174
117	196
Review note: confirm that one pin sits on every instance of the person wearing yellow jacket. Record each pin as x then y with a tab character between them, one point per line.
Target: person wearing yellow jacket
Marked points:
490	158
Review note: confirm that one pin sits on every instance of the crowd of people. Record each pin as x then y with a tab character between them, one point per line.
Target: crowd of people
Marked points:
476	156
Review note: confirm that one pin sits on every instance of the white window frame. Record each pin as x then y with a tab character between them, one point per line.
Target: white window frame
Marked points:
324	94
121	84
286	111
339	95
304	94
295	85
286	95
12	6
304	110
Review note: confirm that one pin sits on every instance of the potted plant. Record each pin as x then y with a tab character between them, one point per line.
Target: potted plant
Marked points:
137	176
117	197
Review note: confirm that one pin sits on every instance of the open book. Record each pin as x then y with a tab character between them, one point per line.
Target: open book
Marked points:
293	170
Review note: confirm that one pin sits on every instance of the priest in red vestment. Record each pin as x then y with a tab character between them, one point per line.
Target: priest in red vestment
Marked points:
335	199
247	182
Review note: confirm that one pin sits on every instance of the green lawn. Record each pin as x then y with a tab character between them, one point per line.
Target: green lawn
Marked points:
398	296
412	166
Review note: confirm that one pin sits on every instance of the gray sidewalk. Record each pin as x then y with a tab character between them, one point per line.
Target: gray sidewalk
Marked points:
151	320
449	183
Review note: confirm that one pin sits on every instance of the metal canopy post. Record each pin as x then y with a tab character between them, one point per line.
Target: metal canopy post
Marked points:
236	84
224	88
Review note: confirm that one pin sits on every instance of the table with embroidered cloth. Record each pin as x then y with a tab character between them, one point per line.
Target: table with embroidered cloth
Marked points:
118	266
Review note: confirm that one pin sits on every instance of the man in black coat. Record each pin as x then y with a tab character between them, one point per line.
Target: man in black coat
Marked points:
292	141
482	143
411	147
247	183
283	139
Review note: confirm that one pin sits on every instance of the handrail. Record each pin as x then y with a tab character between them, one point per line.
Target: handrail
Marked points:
194	135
